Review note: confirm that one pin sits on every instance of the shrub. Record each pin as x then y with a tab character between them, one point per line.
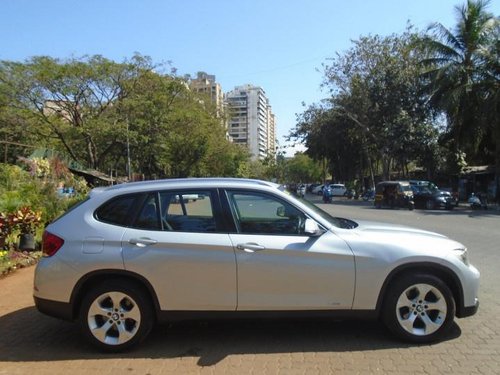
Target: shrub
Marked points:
18	189
27	220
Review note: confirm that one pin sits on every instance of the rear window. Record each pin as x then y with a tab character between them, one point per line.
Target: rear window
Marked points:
117	211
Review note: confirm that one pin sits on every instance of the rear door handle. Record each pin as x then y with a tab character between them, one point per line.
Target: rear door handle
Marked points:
142	242
250	247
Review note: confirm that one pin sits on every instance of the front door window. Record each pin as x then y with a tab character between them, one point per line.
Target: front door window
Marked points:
257	213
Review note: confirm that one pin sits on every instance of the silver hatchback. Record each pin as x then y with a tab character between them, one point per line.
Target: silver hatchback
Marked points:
135	254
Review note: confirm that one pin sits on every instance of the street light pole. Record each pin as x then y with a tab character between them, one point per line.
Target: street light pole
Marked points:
128	155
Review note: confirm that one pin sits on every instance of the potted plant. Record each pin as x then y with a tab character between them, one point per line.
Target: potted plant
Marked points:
27	220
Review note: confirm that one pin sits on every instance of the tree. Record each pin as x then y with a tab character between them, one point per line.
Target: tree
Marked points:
376	112
301	168
312	130
122	117
173	132
15	140
67	102
377	87
463	80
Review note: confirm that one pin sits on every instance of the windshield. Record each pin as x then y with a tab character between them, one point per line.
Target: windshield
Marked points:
432	187
426	185
425	188
335	221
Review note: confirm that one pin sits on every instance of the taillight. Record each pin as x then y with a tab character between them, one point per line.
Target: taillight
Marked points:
51	244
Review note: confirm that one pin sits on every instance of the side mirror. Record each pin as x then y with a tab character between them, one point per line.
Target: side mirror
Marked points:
312	228
280	211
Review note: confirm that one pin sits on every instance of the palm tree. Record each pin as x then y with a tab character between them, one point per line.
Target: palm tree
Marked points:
463	77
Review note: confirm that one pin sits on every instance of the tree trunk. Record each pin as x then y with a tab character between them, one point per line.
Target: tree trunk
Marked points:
497	163
372	174
386	167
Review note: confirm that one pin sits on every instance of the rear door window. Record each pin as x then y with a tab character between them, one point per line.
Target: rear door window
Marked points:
149	215
188	211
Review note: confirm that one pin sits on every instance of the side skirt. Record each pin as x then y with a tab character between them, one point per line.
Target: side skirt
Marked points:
173	316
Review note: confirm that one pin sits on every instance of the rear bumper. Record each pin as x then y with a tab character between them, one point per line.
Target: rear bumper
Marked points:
56	309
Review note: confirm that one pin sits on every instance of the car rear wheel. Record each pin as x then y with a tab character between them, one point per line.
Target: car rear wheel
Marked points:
116	315
419	308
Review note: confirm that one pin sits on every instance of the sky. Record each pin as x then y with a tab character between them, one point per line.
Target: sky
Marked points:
279	45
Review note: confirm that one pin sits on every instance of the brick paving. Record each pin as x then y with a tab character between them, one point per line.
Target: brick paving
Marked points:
33	343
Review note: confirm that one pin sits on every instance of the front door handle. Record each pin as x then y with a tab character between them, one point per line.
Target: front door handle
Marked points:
142	242
250	247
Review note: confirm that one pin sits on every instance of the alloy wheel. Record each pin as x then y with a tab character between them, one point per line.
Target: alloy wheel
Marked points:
421	309
114	318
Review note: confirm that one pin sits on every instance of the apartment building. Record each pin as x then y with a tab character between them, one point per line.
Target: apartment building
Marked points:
206	84
251	121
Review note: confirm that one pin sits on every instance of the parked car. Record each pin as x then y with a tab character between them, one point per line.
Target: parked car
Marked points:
427	195
310	187
318	190
301	191
338	190
453	193
188	197
131	255
394	194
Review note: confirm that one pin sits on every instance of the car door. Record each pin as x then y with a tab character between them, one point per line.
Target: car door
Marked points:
281	268
177	244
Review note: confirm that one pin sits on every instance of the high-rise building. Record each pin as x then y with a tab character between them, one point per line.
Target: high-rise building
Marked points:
205	84
251	121
271	138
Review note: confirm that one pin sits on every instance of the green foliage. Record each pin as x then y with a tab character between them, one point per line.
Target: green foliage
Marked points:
376	113
388	95
462	81
302	168
98	113
18	188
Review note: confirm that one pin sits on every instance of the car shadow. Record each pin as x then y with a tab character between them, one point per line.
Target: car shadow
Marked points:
465	211
28	336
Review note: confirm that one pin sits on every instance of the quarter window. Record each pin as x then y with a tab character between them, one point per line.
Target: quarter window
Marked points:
117	211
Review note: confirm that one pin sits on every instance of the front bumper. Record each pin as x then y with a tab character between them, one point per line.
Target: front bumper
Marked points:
448	204
465	311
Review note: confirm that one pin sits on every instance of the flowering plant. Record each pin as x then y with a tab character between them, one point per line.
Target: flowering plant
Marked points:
38	167
27	220
5	225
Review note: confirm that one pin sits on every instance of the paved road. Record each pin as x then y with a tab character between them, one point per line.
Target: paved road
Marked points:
33	343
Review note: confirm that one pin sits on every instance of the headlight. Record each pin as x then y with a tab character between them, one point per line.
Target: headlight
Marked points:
462	255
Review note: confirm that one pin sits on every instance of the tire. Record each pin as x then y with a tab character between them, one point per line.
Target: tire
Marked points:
429	205
419	308
116	315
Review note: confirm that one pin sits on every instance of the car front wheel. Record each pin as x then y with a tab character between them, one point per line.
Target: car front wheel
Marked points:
419	308
116	315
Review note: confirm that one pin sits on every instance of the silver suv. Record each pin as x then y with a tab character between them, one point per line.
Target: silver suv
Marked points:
135	254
